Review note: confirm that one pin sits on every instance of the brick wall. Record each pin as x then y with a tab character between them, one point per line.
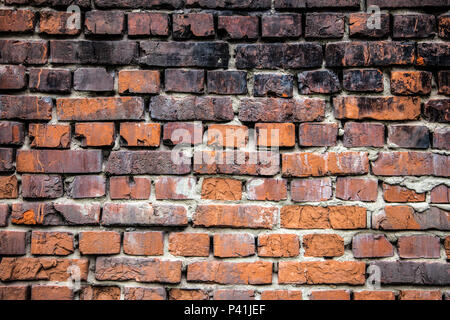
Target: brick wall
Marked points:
212	149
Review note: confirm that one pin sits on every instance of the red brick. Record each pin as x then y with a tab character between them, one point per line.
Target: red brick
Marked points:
139	81
238	27
227	82
324	25
189	244
335	217
24	51
213	4
230	294
52	243
188	294
361	25
14	292
49	136
235	216
322	272
186	26
50	80
314	164
281	295
330	295
87	187
104	22
133	293
221	189
4	213
25	107
278	245
148	23
184	80
99	242
143	243
182	133
12	77
16	20
249	273
56	23
363	80
9	187
129	188
311	190
440	194
275	134
371	246
100	293
7	158
175	188
42	186
266	189
357	189
420	295
411	82
373	295
234	245
228	136
318	134
11	132
93	79
363	135
447	247
13	243
95	134
419	246
44	292
137	134
282	26
323	245
441	138
392	193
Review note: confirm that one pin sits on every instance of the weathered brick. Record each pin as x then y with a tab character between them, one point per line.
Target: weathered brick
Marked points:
433	54
50	80
233	245
405	3
324	25
323	81
393	193
9	187
52	243
420	295
318	134
175	188
306	190
49	135
4	214
323	245
227	136
227	82
322	272
192	25
441	138
371	246
143	243
333	217
278	245
377	108
362	25
87	187
440	194
363	135
266	189
16	20
363	80
405	136
281	110
25	107
411	273
281	295
189	244
357	189
184	80
330	295
137	4
282	26
413	26
93	52
15	292
437	110
42	186
13	243
104	22
135	134
23	51
148	23
411	82
368	54
12	77
93	79
184	54
275	134
50	269
58	23
238	27
419	246
7	158
230	294
235	216
447	252
99	242
138	269
284	4
265	163
130	214
129	188
175	133
443	80
229	4
95	134
133	293
267	85
191	108
221	189
278	55
59	161
188	294
444	26
100	293
249	273
139	81
316	165
46	292
11	132
373	295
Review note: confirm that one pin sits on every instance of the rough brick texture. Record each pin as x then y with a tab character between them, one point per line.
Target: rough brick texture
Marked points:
225	149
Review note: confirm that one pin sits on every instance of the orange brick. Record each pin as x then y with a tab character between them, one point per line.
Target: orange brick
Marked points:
278	245
393	193
267	189
95	134
139	81
189	244
323	245
420	295
275	134
330	295
234	245
49	136
374	295
134	188
141	134
221	189
9	188
99	242
143	243
228	136
52	243
44	292
281	295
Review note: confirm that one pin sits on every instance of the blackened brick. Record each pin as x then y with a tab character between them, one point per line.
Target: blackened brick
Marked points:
50	80
148	23
184	80
104	22
282	26
276	85
11	132
227	82
238	27
192	25
437	110
433	54
444	82
363	80
93	79
318	82
413	25
12	77
361	25
324	25
23	51
405	136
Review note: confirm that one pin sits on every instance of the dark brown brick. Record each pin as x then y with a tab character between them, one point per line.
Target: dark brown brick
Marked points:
16	20
284	4
192	25
23	51
148	23
413	26
11	132
104	22
433	54
419	246
441	138
138	4
238	27
440	194
12	77
444	82
227	82
7	159
184	80
437	110
87	187
361	25
25	107
444	26
93	79
405	136
182	133
13	243
363	80
324	25
229	4
273	85
50	80
42	186
363	135
282	26
310	82
318	134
